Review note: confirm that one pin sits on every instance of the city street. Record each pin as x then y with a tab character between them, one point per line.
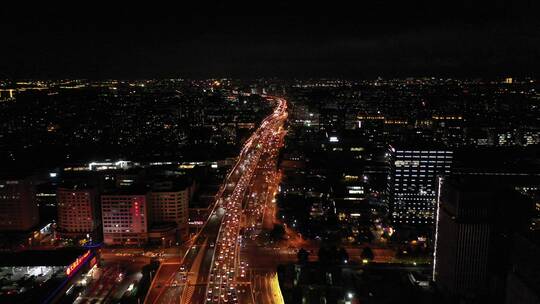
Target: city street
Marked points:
170	282
207	271
227	266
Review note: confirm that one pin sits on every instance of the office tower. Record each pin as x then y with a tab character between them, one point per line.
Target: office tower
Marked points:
169	204
124	218
413	183
18	210
523	282
475	223
77	211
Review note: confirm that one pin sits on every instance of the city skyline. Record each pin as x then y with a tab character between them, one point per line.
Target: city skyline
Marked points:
270	152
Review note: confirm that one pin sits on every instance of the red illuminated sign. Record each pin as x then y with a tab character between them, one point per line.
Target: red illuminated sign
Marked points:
137	210
78	262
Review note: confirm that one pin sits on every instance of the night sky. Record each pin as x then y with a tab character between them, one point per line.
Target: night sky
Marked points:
271	39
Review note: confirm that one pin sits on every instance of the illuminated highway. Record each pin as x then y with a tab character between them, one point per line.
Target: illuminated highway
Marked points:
226	266
207	273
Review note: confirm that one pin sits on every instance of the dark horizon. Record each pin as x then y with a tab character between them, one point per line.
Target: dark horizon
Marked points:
300	40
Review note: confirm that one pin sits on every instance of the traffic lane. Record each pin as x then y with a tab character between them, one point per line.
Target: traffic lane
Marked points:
241	179
204	270
205	266
171	295
199	296
208	235
162	290
245	295
235	172
208	251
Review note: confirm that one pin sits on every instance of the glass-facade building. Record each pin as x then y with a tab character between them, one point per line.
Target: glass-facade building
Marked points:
413	183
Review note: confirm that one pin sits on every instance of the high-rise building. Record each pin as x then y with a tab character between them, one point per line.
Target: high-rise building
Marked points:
523	282
18	210
462	241
413	183
474	228
124	218
169	204
77	211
